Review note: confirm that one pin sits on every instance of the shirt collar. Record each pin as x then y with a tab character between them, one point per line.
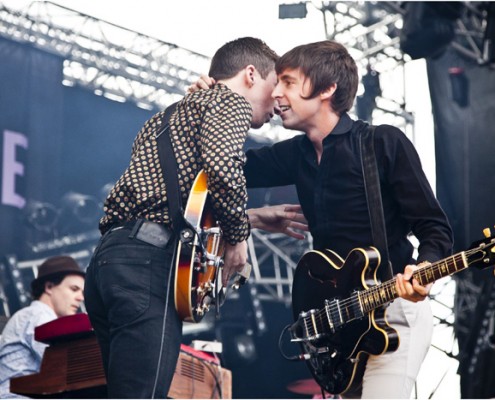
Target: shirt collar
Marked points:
221	87
343	126
46	308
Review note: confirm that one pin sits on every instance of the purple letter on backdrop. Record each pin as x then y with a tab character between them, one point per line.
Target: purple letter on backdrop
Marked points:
11	168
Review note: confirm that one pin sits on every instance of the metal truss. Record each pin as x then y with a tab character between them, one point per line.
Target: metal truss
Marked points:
274	259
125	65
113	61
106	58
370	31
470	40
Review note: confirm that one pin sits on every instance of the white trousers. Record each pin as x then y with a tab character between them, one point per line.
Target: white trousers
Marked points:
392	375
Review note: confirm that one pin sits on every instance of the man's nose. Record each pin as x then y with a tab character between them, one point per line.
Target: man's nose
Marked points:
276	92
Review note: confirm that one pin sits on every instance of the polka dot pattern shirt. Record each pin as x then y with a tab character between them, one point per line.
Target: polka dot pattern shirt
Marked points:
208	131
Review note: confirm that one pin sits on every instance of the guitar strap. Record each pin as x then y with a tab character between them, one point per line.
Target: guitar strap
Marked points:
168	163
374	199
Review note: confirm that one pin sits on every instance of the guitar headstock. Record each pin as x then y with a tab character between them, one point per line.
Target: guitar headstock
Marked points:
481	254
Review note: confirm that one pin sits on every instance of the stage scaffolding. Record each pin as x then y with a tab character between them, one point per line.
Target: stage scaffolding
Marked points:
125	65
106	58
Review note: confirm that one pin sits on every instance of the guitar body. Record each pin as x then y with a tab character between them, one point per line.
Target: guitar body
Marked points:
338	354
195	276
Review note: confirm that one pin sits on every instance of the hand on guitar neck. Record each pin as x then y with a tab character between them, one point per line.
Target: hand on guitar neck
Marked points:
408	287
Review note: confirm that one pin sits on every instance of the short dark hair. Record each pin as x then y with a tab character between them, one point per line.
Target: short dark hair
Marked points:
38	286
238	54
325	63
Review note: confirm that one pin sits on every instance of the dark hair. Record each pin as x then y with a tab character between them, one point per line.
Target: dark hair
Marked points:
237	54
38	286
325	63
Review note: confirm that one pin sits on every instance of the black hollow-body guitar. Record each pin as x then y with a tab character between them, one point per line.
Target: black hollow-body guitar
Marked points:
339	309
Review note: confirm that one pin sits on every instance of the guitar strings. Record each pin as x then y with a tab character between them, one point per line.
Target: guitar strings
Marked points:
375	295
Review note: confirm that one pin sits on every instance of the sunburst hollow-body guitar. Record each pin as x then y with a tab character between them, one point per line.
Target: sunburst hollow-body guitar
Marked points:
199	260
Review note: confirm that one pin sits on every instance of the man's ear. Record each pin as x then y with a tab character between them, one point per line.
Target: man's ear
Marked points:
249	75
326	94
48	287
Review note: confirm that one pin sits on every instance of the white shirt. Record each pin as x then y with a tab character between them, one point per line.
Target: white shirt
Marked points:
20	353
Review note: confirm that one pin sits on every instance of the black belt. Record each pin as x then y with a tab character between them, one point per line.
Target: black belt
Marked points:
147	231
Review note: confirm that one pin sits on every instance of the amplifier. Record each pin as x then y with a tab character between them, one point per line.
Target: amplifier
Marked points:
199	376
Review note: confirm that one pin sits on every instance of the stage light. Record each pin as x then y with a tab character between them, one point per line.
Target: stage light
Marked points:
239	347
245	348
41	216
84	208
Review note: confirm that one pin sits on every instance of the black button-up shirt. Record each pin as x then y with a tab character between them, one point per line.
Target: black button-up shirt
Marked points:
332	193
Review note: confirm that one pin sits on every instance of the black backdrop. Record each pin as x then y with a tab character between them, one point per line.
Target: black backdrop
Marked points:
98	134
464	113
31	101
465	144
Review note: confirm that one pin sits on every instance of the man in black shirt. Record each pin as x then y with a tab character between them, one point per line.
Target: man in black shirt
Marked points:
317	84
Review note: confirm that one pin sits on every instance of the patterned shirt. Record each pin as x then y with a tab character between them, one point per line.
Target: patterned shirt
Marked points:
208	131
20	353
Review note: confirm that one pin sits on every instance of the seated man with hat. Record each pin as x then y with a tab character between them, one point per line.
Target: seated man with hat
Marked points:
56	292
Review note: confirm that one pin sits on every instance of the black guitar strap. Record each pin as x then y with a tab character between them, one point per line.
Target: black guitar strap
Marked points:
168	164
374	198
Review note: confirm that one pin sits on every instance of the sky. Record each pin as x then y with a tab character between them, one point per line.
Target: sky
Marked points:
204	25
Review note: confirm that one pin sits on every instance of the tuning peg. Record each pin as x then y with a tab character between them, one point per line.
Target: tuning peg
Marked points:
487	232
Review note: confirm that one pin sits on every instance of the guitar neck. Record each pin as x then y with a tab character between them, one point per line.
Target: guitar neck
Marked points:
338	311
383	293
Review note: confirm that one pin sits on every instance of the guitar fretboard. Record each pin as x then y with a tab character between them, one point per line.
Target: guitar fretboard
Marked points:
383	293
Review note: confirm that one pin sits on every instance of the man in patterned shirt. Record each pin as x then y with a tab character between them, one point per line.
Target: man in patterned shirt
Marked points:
128	292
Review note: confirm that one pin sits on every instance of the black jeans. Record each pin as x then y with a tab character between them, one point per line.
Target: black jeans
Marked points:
129	297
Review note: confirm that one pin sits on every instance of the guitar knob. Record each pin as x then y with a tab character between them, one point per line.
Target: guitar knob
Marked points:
487	232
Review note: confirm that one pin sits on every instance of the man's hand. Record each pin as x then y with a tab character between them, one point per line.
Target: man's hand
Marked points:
283	218
234	260
204	82
413	292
